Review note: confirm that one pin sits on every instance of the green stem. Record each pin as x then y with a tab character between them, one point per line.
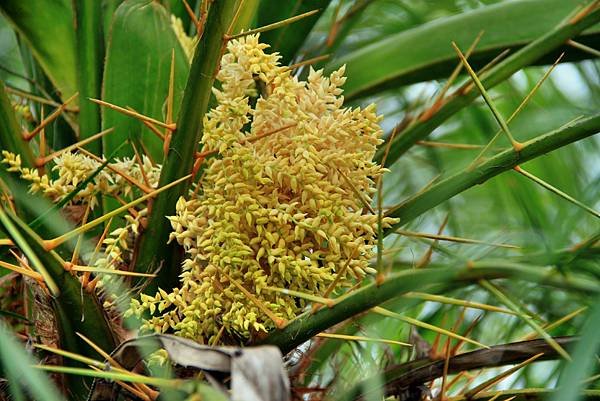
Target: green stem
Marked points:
307	325
154	251
507	160
90	57
529	54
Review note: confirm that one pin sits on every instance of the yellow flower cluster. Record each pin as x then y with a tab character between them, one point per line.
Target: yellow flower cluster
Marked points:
74	168
283	205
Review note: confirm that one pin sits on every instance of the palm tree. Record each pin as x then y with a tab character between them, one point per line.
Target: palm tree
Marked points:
490	253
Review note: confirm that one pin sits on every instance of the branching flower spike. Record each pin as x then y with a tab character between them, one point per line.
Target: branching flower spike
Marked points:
283	211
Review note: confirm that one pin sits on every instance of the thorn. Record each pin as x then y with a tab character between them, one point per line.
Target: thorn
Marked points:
519	108
516	145
86	275
439	101
453	301
496	292
488	383
195	168
35	98
147	153
584	12
482	72
131	210
139	386
170	100
557	191
382	311
443	387
471	327
203	17
39	162
134	114
115	170
75	255
274	25
141	164
23	271
28	136
449	238
218	336
358	194
433	351
361	338
584	48
236	16
556	323
379	279
424	261
463	146
91	269
308	62
192	15
68	266
133	390
91	286
150	126
330	303
10	226
334	27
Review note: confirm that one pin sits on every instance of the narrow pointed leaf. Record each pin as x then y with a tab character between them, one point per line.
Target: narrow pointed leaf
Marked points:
424	53
529	54
90	59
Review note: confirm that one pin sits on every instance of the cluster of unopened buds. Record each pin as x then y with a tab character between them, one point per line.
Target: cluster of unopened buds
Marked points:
283	205
73	169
